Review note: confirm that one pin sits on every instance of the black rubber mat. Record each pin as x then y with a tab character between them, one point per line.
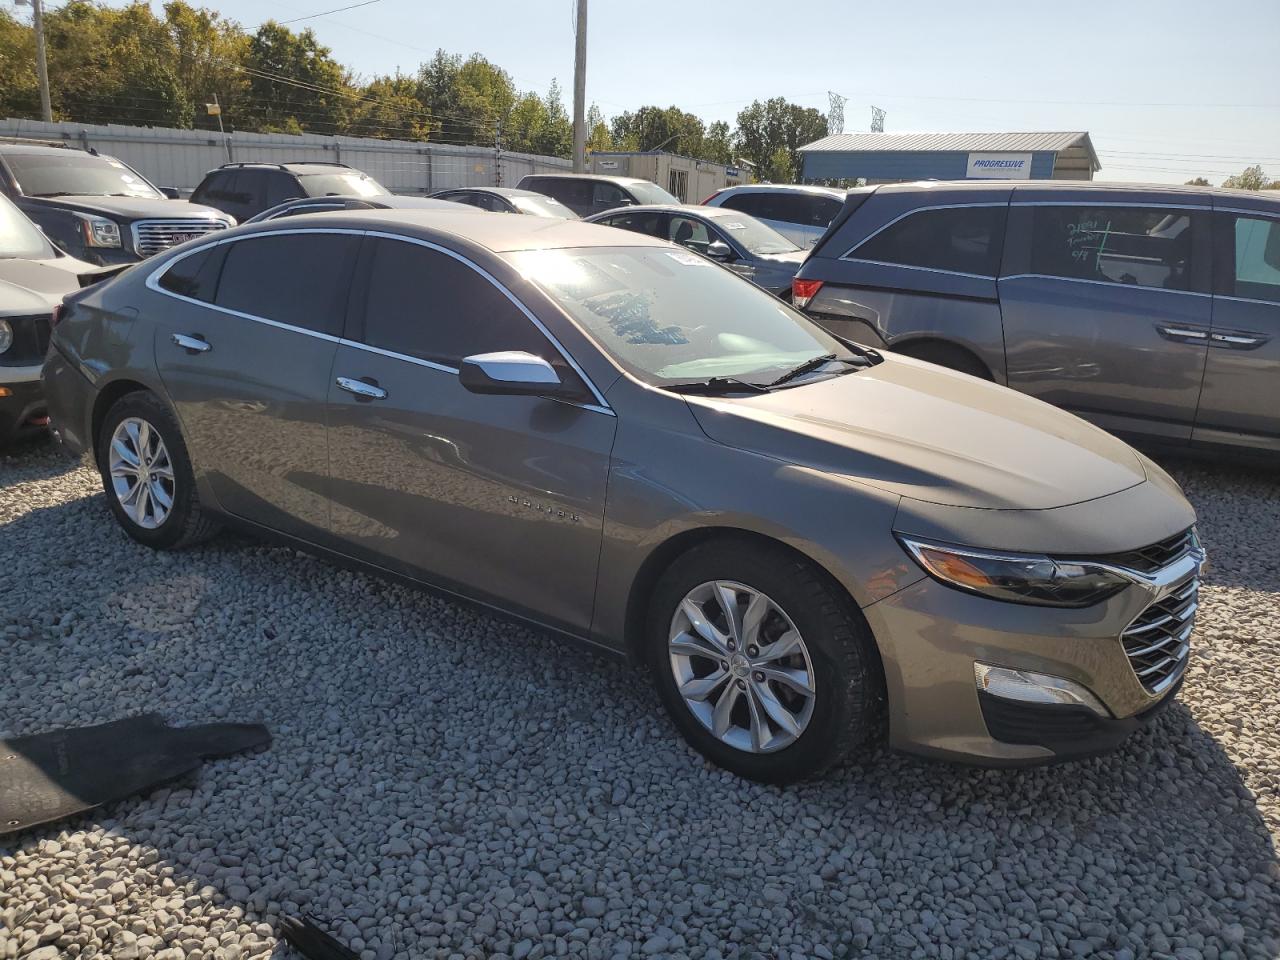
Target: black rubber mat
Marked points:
60	773
308	939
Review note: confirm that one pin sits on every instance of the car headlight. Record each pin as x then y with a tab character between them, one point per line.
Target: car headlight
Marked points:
99	231
1017	578
6	335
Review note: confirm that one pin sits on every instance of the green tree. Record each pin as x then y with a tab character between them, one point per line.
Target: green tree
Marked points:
765	128
293	77
1198	182
208	52
388	108
598	136
653	128
19	90
718	143
1251	178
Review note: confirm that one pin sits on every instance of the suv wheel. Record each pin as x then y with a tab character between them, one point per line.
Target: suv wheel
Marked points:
766	668
147	474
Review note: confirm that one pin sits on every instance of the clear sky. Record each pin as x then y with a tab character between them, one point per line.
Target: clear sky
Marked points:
1169	89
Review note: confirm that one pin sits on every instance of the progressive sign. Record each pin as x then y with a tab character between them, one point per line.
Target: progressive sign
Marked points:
999	166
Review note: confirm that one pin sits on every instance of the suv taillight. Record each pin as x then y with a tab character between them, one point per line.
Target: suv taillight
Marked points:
802	291
58	310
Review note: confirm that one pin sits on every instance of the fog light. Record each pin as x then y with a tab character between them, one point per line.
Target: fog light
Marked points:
1028	687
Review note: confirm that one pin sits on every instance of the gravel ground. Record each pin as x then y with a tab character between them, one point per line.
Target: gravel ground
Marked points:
443	783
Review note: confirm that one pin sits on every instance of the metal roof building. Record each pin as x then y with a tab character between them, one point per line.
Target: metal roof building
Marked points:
892	157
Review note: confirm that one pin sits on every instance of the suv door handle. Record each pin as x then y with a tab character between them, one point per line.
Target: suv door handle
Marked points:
362	390
196	344
1183	334
1237	341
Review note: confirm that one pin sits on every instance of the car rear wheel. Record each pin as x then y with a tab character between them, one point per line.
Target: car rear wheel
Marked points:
147	474
765	666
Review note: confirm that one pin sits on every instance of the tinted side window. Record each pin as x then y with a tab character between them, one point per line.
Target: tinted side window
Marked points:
650	223
300	279
606	196
1138	246
216	186
1256	268
196	276
280	187
426	304
959	239
752	203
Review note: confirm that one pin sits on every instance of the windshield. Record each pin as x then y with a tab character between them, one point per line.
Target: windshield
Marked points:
670	316
754	235
20	239
341	185
74	173
646	192
543	207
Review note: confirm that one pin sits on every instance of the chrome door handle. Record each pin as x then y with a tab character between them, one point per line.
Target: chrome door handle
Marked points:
365	391
194	344
1183	333
1238	341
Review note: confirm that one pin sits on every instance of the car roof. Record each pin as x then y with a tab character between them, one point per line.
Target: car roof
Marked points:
1223	196
785	188
501	191
685	209
19	149
583	176
495	232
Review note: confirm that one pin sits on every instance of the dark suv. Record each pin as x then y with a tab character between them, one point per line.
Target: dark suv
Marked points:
586	193
98	208
1152	311
246	189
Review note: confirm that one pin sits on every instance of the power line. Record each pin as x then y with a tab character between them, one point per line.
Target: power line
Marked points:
325	13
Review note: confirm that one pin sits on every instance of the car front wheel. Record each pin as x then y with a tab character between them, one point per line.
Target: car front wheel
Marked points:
147	474
763	663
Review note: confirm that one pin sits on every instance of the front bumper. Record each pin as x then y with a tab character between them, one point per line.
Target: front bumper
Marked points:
930	637
22	408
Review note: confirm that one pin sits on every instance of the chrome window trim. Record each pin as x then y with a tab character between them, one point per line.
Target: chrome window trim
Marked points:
1256	214
911	213
1103	283
601	405
1146	204
153	283
911	266
1235	299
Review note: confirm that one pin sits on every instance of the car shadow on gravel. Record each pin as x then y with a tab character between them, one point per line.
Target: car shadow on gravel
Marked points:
445	782
35	458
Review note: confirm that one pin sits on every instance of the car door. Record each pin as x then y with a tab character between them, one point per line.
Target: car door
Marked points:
1242	372
1106	309
697	234
497	497
244	344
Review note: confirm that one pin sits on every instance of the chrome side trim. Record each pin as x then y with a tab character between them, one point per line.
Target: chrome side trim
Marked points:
1145	204
1256	214
1234	299
20	374
910	266
1102	283
911	213
430	365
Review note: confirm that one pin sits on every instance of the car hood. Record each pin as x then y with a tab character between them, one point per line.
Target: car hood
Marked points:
35	286
930	434
134	208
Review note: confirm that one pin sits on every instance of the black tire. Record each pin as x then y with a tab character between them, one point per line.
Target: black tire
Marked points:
187	522
945	355
847	676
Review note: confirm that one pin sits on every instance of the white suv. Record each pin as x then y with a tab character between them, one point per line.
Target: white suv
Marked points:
799	213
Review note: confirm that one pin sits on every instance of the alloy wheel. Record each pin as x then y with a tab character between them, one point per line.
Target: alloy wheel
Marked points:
741	666
141	472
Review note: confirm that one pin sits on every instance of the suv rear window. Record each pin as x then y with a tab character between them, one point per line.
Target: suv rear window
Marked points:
955	239
1136	246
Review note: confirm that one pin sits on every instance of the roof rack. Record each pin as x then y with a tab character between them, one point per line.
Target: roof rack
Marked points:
284	165
36	142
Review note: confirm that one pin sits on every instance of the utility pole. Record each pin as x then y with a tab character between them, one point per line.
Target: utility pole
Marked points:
42	65
579	91
215	110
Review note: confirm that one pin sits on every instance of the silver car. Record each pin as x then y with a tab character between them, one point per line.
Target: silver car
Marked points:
799	212
743	244
605	434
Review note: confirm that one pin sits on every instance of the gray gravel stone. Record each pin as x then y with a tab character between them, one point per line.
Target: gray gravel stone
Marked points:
447	784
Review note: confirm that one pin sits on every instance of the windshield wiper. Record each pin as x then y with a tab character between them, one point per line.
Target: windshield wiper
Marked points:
815	363
63	193
715	385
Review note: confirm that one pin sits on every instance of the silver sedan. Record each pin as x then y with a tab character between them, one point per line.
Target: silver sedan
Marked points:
742	243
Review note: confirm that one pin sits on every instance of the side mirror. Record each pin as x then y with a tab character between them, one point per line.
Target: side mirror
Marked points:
512	373
719	250
171	192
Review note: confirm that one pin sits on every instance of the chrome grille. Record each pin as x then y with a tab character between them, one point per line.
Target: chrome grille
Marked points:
1152	558
152	236
1157	642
